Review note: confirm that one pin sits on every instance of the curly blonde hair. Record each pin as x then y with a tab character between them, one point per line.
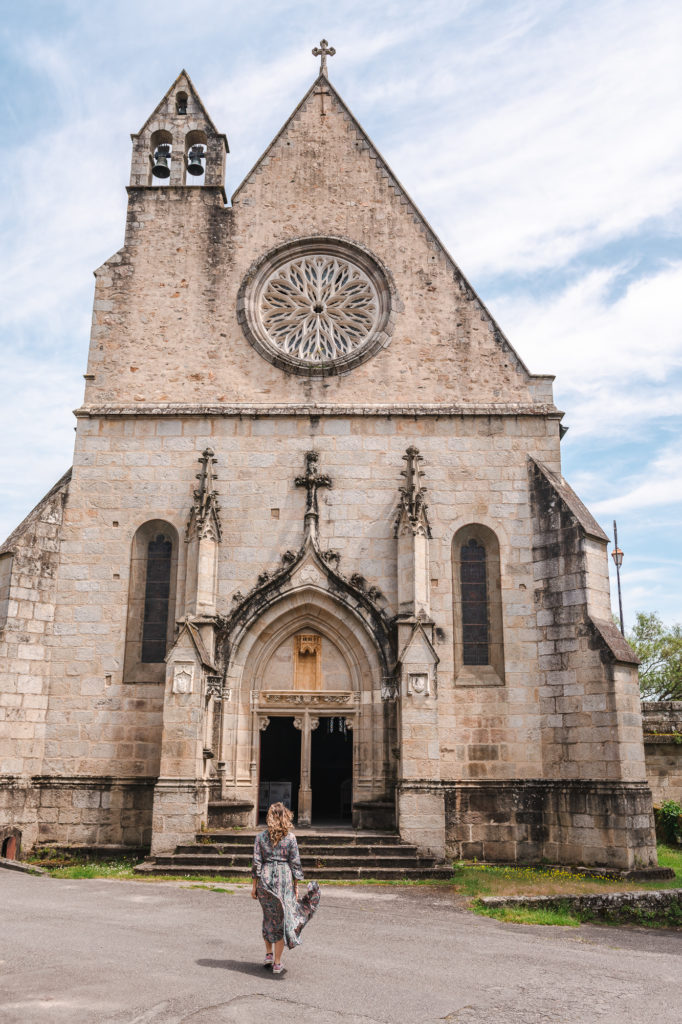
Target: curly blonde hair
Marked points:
278	821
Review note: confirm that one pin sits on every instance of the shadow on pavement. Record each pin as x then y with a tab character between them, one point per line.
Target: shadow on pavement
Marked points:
242	966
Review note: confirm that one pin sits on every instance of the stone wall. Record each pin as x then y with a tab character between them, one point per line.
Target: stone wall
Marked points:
563	822
590	694
663	748
30	558
82	811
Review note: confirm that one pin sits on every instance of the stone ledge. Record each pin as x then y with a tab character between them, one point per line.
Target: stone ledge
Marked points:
541	409
19	865
599	904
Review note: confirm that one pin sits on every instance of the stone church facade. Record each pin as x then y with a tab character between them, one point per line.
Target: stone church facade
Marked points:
315	543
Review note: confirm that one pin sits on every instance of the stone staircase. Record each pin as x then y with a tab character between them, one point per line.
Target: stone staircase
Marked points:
324	854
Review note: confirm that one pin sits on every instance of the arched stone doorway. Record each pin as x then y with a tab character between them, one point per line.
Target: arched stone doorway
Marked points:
309	659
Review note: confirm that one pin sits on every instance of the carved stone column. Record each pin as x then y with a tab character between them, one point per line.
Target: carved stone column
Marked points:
306	724
420	800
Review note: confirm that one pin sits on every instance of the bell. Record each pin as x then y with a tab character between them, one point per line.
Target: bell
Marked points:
194	164
161	168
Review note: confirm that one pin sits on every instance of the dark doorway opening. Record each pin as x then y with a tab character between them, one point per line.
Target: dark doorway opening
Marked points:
280	765
331	771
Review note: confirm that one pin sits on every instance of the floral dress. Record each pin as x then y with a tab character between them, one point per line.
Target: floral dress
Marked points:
276	866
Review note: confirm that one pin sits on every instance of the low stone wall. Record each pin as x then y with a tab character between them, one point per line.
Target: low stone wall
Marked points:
606	824
612	906
78	811
663	748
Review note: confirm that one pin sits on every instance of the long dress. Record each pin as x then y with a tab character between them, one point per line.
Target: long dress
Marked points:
276	866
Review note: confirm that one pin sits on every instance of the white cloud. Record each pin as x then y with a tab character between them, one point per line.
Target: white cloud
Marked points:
615	360
660	484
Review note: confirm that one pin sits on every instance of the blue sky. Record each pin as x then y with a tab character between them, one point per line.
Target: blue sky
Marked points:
542	140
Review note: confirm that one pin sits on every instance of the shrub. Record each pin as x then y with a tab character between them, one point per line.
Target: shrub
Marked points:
669	822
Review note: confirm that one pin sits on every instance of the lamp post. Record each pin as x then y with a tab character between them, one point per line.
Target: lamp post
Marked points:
617	556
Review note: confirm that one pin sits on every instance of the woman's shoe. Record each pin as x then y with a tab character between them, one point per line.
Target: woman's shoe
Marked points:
269	958
277	969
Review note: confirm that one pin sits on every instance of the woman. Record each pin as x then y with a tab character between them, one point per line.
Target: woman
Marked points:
276	873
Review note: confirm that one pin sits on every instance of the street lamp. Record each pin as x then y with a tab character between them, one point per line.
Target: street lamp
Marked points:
617	556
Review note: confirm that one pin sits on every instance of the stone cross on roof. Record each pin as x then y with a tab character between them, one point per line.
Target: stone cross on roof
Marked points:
323	51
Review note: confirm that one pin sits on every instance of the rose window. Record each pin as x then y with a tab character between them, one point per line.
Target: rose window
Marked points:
316	307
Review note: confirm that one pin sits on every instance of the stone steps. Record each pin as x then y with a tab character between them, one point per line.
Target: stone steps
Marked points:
334	855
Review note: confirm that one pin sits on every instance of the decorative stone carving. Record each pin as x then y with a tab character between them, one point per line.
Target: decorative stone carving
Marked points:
214	687
316	306
389	688
413	510
309	574
307	661
183	677
263	723
294	699
418	682
298	723
314	722
308	643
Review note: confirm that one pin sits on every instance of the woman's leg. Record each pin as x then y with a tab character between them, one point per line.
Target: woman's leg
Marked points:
279	948
268	946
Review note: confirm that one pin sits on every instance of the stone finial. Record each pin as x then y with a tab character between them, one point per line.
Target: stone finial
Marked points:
323	51
205	514
413	510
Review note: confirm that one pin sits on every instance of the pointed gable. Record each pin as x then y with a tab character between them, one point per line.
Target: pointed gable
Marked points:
309	147
166	109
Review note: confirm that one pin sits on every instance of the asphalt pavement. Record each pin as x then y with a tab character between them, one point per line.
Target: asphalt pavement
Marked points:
92	950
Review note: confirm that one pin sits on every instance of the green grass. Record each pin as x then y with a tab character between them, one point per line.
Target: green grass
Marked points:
527	915
468	879
671	857
211	888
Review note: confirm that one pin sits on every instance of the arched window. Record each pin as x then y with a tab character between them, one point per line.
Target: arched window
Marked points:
181	103
156	599
479	644
474	597
151	602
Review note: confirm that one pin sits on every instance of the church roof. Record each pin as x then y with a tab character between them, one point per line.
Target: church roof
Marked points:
34	515
410	206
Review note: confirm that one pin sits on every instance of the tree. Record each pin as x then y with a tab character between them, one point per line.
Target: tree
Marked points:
659	649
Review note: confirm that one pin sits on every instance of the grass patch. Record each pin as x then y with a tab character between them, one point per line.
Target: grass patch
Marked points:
468	878
671	857
211	888
561	916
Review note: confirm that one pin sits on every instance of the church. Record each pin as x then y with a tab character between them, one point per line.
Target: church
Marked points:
315	544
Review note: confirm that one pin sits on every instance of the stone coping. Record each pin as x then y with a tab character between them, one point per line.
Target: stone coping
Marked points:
19	865
543	409
600	904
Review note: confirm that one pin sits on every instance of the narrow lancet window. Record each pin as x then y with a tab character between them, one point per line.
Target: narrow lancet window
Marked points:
156	599
474	596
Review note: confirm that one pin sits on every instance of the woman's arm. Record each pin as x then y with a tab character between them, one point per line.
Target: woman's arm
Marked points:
295	863
256	867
